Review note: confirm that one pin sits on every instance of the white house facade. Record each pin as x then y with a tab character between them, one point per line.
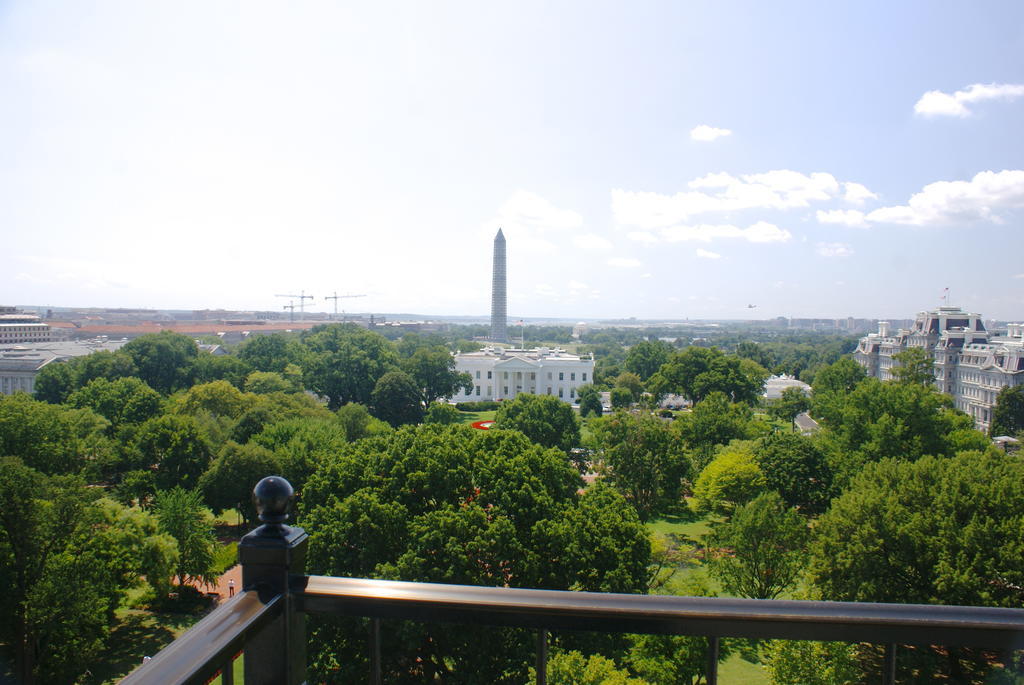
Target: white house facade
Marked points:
971	363
503	373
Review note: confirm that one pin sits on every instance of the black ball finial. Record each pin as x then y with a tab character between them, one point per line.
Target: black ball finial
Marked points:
271	496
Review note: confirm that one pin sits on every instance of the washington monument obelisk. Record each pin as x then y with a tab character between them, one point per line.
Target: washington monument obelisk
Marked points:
499	298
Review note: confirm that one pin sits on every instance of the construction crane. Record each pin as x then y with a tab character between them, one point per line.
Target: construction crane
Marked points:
291	310
302	297
337	297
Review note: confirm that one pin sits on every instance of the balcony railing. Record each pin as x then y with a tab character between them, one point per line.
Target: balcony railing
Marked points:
266	620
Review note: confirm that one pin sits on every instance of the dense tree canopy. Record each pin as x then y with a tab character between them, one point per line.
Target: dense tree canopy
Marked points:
939	530
344	362
796	468
646	357
730	480
66	560
544	419
697	371
122	401
759	552
397	399
454	505
51	439
163	360
433	371
644	460
175	448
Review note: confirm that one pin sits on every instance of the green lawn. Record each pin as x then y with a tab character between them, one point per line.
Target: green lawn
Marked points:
468	417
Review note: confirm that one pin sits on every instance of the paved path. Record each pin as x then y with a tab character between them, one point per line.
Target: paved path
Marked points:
221	585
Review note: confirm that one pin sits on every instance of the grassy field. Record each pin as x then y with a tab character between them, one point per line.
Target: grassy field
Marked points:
474	416
688	529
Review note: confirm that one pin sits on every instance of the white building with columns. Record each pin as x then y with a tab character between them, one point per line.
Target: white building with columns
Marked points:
971	363
502	373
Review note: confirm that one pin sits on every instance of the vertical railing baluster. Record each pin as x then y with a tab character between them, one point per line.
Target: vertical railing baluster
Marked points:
227	673
712	672
542	657
376	674
889	673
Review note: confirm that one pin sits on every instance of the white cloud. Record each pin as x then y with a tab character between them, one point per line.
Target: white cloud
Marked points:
707	254
834	250
945	202
761	232
642	237
778	189
706	134
645	275
844	217
856	193
589	241
937	103
1018	276
528	219
544	290
624	262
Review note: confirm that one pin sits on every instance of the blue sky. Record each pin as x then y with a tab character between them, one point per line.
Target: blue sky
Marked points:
651	159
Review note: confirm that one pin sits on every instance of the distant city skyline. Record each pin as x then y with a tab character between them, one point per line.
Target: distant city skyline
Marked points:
663	161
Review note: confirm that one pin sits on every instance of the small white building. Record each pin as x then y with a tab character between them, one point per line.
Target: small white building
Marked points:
774	386
502	373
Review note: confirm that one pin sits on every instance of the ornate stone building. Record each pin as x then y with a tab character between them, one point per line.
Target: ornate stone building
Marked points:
971	363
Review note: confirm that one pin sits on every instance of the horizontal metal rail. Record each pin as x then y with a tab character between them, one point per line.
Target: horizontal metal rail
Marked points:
209	645
911	624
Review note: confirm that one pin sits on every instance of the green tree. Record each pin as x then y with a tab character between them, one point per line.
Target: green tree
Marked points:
646	357
49	438
218	398
229	481
175	448
442	413
451	504
730	480
715	421
270	352
630	381
544	419
433	370
792	403
794	467
121	401
207	368
939	530
573	668
344	362
621	398
55	382
790	662
1008	414
66	560
163	360
831	386
759	552
590	401
676	659
266	382
698	371
915	366
645	460
182	516
396	399
755	352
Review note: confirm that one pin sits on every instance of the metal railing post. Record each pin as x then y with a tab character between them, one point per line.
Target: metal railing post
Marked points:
376	671
889	668
713	651
542	657
270	556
